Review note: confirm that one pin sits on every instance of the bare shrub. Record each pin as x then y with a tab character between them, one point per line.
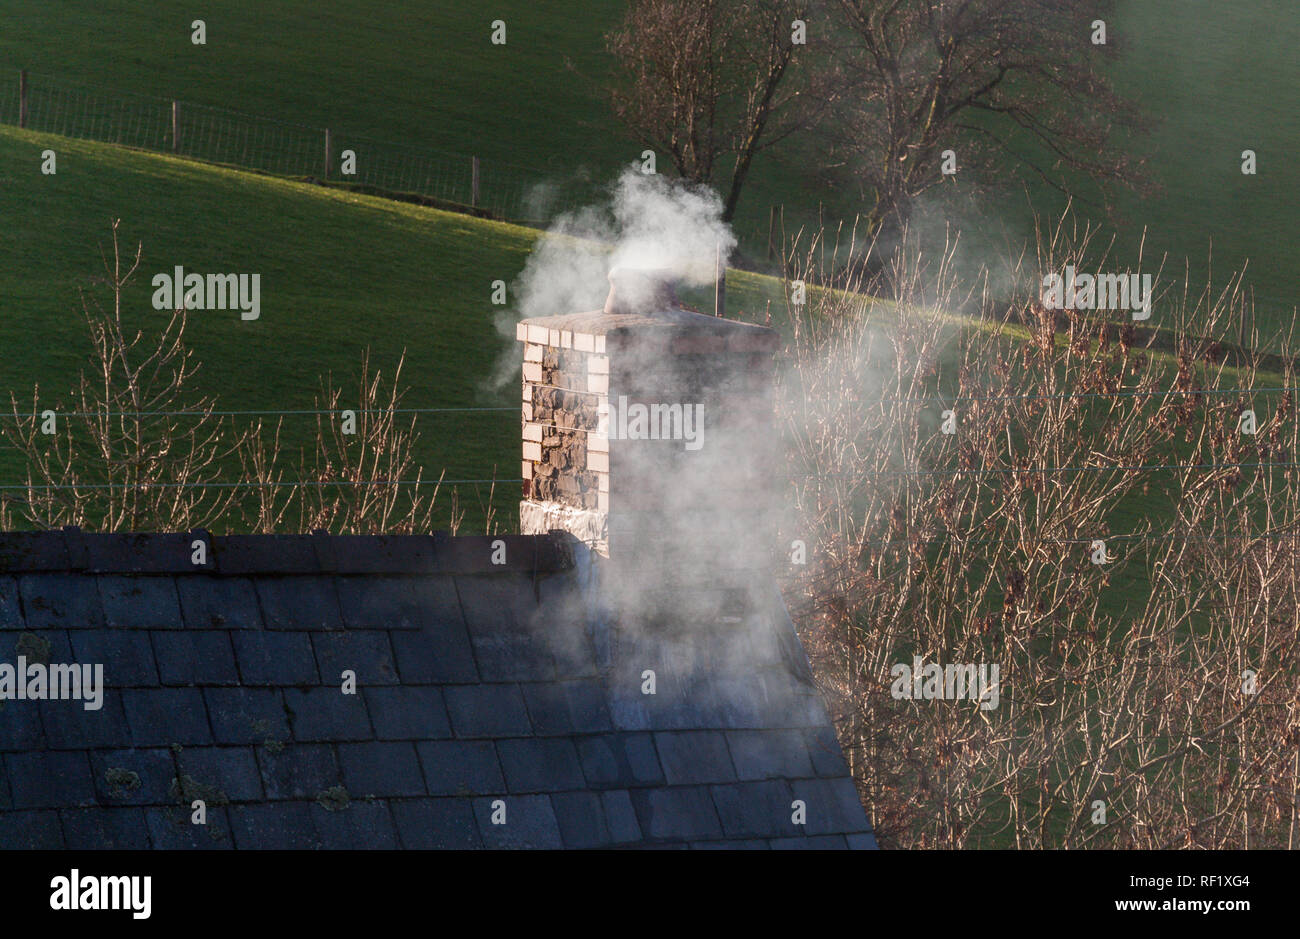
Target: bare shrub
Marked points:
119	460
1121	683
139	449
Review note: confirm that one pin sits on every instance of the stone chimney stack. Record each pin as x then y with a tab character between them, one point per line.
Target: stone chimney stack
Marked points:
648	430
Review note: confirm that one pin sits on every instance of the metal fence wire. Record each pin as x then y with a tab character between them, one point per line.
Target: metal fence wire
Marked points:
283	148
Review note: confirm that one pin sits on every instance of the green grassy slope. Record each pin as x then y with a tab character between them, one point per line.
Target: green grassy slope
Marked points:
405	71
1219	79
1213	80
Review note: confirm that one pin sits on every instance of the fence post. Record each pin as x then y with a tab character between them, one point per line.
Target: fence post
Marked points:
719	282
473	183
22	97
328	159
176	127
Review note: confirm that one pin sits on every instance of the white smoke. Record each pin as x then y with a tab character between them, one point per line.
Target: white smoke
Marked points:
649	222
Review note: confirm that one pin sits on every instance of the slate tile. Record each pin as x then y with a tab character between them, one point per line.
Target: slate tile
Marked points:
510	656
11	614
731	844
152	552
133	777
439	654
171	829
46	779
209	602
69	726
694	757
685	813
769	754
620	816
529	823
381	769
61	601
620	760
365	652
327	714
399	602
299	602
126	654
497	611
233	770
195	657
247	715
30	831
20	726
824	750
540	764
573	651
379	554
493	555
789	703
862	841
486	710
140	602
581	817
756	810
298	771
48	646
164	716
563	620
461	767
743	703
811	843
362	826
833	805
498	602
34	551
267	658
408	713
273	826
675	705
564	708
103	829
261	554
763	643
424	824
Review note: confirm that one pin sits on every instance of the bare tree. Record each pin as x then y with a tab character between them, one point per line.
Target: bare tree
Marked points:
120	457
1001	83
138	448
1148	694
704	80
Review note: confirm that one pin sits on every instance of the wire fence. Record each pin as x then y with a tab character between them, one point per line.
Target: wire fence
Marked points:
916	399
283	148
976	471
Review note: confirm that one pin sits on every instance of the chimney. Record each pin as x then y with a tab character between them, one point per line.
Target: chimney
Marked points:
648	431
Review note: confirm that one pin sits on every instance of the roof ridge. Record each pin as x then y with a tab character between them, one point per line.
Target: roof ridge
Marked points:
73	550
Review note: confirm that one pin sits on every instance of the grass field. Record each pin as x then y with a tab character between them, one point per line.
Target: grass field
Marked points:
343	272
340	273
434	81
1216	80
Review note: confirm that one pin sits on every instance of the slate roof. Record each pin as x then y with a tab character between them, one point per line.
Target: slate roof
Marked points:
478	685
